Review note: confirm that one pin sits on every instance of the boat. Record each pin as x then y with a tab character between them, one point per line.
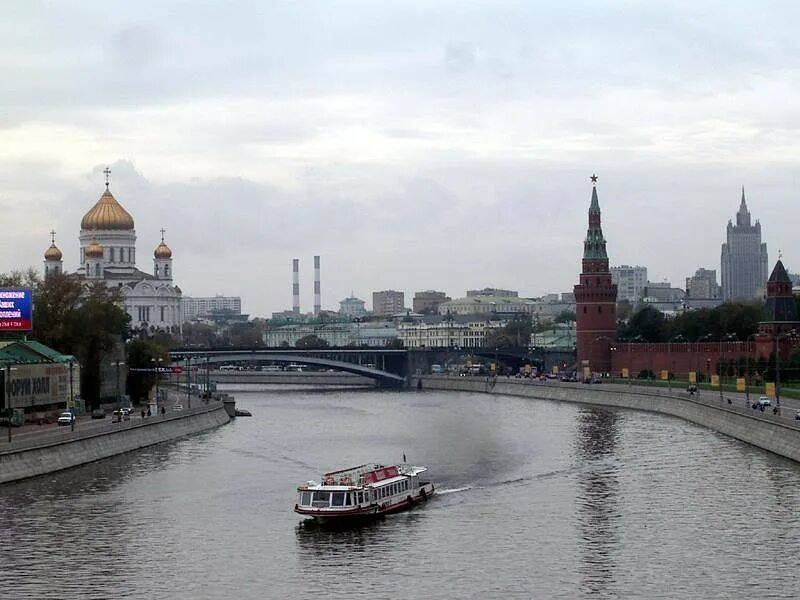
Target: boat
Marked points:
365	491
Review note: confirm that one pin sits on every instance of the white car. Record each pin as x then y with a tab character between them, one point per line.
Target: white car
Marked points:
177	407
66	418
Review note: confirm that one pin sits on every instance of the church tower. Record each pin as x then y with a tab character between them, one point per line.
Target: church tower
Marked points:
162	260
93	255
53	263
595	298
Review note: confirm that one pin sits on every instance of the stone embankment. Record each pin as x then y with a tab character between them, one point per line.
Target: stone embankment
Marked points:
61	448
777	433
291	378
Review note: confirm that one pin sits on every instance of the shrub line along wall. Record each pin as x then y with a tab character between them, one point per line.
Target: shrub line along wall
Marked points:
773	433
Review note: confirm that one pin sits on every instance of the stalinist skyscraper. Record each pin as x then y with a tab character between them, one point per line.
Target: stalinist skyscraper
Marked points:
744	258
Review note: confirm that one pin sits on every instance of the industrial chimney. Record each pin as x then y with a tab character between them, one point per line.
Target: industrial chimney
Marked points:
296	286
317	295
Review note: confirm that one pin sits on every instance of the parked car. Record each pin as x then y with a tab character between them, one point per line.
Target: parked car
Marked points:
66	418
764	401
98	413
177	406
121	415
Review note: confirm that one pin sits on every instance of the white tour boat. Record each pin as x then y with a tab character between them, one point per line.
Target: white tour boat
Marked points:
364	491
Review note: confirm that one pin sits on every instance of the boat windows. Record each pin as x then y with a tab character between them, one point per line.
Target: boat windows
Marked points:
337	499
347	498
321	498
305	499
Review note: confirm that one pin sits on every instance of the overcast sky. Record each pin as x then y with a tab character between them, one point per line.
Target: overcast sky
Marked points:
413	145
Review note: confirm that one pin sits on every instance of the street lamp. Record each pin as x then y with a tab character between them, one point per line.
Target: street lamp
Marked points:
7	396
118	363
747	368
680	338
157	363
725	338
606	338
790	333
188	382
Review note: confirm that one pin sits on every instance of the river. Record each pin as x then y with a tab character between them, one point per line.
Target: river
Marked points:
538	500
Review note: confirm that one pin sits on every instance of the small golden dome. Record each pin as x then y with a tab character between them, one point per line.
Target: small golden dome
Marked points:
53	253
107	214
94	250
162	251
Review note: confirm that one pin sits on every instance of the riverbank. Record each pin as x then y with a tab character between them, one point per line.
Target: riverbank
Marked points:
57	448
728	414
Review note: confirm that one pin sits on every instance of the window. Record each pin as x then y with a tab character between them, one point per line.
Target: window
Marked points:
337	498
97	269
584	310
305	498
162	312
322	498
166	270
599	310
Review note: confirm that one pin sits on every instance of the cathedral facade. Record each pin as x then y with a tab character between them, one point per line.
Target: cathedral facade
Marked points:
108	254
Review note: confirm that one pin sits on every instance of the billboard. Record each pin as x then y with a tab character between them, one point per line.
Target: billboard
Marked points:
35	385
16	309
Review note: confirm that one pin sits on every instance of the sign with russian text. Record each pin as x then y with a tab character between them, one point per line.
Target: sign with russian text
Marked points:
769	388
715	381
740	383
16	309
156	370
692	377
664	375
380	474
625	373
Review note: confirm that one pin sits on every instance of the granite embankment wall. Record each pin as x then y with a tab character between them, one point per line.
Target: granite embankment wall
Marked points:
60	448
290	377
778	434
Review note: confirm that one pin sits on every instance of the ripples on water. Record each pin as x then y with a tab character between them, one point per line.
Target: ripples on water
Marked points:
539	500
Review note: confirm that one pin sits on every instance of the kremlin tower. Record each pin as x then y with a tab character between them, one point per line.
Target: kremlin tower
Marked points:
595	298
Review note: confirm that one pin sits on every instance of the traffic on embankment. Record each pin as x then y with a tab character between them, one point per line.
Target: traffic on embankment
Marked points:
730	414
38	450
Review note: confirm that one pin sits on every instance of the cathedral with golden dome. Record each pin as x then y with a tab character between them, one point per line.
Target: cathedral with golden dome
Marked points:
108	254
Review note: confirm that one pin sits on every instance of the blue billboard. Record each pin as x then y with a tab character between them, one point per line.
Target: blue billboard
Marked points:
16	309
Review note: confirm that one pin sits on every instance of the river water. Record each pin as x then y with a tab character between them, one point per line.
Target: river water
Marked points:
538	500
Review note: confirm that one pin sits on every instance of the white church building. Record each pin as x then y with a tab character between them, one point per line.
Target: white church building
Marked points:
108	254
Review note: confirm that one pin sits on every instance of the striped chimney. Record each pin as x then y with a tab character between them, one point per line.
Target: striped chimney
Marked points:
296	286
317	295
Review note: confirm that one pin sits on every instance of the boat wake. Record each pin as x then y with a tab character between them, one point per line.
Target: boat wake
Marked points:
454	490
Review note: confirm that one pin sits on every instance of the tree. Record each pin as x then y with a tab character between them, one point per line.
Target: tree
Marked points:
310	342
566	316
516	334
144	353
648	324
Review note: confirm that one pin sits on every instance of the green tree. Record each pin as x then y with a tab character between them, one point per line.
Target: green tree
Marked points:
649	324
144	353
516	334
566	316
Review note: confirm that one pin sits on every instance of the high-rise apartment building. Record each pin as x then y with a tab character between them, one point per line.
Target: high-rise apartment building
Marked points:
630	281
200	306
744	258
387	303
352	307
703	284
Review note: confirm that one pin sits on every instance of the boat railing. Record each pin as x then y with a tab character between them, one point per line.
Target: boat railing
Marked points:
320	503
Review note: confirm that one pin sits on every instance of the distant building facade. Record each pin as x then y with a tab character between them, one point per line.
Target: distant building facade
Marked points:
201	306
489	305
373	335
493	292
703	285
447	333
744	260
387	303
352	307
428	301
630	282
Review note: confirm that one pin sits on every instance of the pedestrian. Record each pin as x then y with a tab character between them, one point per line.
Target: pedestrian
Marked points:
143	413
149	414
163	411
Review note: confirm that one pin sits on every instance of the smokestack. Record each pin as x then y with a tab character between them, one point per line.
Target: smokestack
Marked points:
317	299
296	286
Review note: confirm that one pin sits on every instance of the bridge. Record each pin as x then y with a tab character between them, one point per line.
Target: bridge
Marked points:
386	367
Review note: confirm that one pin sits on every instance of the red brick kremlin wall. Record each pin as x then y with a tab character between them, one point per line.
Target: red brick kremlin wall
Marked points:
678	358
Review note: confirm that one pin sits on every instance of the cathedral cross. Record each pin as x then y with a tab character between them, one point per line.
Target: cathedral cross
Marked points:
163	231
107	171
53	236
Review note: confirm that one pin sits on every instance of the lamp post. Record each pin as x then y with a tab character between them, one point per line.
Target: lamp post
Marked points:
678	337
157	365
725	338
118	363
9	410
790	333
747	369
188	382
71	394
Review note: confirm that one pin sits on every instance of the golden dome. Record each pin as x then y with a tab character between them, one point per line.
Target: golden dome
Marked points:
162	251
94	250
53	253
107	214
